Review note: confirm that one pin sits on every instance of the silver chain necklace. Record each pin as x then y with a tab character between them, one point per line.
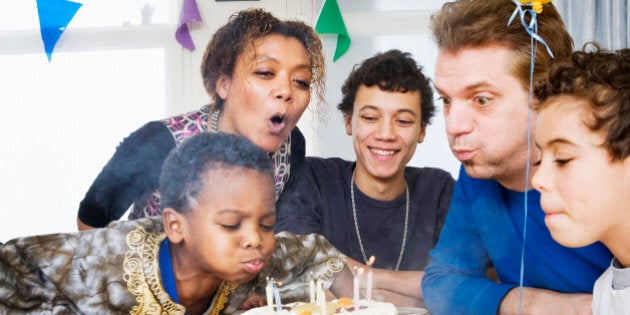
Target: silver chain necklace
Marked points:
356	223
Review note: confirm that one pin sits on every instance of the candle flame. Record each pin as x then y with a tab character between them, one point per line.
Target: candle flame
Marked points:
371	260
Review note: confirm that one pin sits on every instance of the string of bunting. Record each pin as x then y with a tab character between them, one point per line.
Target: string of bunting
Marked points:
55	15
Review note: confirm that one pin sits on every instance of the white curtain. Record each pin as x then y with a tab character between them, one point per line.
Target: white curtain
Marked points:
603	21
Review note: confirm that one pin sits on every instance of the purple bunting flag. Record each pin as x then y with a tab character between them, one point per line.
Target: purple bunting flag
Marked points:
189	14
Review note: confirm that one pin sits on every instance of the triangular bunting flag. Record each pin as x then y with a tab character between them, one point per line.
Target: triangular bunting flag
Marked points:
54	16
189	13
331	22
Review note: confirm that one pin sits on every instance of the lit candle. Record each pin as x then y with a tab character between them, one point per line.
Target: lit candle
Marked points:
370	280
268	292
276	296
311	287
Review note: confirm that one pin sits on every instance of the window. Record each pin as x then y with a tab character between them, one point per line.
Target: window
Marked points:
111	71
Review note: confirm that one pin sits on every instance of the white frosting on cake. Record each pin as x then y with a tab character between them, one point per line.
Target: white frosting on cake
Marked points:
365	308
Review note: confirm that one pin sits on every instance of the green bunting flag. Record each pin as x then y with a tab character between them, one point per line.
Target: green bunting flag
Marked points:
331	22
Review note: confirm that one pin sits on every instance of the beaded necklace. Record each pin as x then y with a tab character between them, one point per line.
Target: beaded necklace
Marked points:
214	124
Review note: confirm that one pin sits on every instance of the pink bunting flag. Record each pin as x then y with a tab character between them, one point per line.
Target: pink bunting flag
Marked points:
189	14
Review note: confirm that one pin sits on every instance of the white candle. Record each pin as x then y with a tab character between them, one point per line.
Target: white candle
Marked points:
276	296
356	288
368	289
321	297
370	280
311	286
268	292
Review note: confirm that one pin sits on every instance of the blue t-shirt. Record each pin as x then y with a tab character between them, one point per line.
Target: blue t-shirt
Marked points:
484	227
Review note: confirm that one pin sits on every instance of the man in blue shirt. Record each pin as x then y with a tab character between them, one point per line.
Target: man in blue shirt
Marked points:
482	75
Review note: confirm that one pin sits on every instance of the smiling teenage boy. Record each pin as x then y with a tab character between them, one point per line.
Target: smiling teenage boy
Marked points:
377	205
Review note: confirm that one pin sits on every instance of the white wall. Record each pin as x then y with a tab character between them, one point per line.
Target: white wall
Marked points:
55	141
406	30
374	25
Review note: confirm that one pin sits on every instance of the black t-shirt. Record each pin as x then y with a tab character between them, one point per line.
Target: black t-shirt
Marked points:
317	200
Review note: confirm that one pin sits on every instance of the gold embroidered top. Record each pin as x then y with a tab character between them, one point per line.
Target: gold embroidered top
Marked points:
115	270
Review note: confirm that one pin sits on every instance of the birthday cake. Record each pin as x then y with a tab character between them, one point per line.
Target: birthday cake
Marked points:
341	306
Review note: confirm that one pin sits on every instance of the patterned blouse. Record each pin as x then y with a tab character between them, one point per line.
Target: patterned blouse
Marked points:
183	127
130	177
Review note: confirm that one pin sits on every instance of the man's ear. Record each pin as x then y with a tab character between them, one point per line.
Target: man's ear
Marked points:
223	86
173	225
348	123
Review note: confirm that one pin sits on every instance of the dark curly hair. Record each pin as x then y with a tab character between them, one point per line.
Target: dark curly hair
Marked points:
602	79
244	29
183	172
393	71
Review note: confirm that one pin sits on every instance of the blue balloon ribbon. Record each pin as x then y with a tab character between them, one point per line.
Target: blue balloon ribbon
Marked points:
532	30
532	26
54	16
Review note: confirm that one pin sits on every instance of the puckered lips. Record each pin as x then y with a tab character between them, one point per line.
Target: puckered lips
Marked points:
550	212
253	266
277	123
463	154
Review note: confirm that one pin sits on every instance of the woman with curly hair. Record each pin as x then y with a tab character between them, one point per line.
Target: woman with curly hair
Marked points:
260	72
